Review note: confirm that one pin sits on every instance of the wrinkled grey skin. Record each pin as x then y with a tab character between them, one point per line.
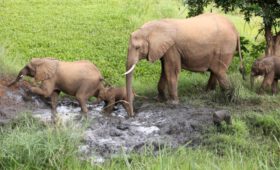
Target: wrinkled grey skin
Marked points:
269	67
220	116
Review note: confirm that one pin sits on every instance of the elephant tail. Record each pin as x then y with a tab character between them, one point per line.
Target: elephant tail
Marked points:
241	68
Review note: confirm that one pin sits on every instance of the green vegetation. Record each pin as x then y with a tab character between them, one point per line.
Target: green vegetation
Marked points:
98	30
28	144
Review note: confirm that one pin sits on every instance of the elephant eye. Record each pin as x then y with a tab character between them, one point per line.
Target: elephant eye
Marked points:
137	47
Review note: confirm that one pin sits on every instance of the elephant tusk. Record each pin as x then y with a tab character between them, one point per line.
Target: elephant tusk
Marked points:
130	70
21	76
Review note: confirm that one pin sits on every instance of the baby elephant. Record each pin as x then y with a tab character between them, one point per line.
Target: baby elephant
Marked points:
269	67
81	79
112	96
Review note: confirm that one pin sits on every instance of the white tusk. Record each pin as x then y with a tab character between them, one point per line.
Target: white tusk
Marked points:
130	70
21	76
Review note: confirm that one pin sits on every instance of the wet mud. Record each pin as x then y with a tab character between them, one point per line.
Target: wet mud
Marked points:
156	124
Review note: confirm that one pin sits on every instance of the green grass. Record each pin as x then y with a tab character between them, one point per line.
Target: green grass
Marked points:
72	30
98	30
29	144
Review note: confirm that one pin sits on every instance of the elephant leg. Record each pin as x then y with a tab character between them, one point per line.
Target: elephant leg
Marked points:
54	99
82	96
46	89
212	82
162	83
172	69
82	101
274	86
267	82
223	80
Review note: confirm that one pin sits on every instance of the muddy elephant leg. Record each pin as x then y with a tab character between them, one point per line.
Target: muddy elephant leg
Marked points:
274	86
162	83
212	82
54	99
267	82
82	101
82	96
46	89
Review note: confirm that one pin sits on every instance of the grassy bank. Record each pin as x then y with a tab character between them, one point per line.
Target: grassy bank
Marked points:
98	30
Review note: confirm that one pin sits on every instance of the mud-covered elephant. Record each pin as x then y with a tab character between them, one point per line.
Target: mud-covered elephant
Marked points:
269	67
203	43
112	96
81	79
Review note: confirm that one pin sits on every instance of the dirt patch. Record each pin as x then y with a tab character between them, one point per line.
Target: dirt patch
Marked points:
155	124
16	99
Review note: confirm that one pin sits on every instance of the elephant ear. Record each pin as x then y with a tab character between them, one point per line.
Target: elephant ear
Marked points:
160	41
45	68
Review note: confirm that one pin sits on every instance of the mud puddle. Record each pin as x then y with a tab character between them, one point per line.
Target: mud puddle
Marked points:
155	124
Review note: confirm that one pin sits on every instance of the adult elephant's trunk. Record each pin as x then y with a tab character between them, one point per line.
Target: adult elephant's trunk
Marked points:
129	77
252	79
21	74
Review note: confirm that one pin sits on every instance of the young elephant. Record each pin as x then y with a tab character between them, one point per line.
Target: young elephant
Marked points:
269	67
112	96
80	78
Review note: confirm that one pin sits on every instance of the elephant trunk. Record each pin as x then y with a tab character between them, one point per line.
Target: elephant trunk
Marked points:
252	79
21	74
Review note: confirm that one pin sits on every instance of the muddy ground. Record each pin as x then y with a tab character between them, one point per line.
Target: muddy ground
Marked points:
156	124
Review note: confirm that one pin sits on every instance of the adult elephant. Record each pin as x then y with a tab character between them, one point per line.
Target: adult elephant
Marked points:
80	78
203	43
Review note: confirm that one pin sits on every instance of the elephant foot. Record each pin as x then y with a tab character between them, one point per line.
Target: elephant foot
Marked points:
106	113
173	102
160	98
207	88
260	92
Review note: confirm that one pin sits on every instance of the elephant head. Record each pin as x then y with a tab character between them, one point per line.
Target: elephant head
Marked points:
260	67
149	42
39	68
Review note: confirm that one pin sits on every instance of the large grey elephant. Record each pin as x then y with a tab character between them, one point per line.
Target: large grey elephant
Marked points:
81	79
203	43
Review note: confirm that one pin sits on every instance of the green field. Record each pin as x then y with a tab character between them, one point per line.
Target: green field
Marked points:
98	30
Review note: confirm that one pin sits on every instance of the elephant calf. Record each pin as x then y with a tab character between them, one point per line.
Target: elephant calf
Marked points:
112	96
80	78
269	67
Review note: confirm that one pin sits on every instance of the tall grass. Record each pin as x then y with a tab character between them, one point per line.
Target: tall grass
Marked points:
29	144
